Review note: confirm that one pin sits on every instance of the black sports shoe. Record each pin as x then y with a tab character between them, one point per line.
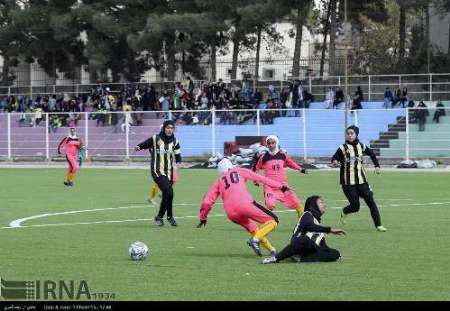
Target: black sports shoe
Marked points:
159	221
172	222
66	183
71	183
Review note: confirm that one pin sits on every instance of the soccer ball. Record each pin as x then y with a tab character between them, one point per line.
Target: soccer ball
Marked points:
138	251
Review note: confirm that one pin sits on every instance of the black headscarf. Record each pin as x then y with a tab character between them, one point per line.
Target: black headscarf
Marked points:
312	207
162	134
356	130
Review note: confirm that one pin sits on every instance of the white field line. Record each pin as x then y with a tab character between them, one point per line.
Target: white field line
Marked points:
18	222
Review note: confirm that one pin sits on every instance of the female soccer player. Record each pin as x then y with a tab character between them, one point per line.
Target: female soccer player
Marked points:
273	163
308	239
353	176
240	206
72	144
165	151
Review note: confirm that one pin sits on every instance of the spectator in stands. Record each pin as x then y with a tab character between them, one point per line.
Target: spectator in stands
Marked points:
164	103
420	115
338	97
286	102
273	94
404	98
329	97
397	97
36	116
357	99
388	98
308	98
54	122
440	111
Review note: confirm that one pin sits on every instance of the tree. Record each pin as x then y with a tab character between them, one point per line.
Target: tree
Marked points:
260	17
50	34
10	40
108	24
298	17
325	21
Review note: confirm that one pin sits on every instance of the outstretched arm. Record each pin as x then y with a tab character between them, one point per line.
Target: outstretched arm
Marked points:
145	144
292	164
248	174
208	200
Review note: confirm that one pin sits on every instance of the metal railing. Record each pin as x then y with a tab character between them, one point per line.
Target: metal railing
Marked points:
433	86
303	132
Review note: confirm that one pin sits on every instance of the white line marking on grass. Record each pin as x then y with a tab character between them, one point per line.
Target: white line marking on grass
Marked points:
18	222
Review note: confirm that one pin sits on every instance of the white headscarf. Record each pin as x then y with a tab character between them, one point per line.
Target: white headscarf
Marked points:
70	134
277	148
224	165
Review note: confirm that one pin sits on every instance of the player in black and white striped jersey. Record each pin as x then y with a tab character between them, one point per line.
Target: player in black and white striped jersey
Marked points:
308	239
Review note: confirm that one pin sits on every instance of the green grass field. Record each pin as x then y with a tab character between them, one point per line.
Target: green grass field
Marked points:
409	262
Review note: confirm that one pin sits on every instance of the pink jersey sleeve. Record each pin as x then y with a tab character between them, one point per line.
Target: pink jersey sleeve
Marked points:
248	174
291	163
209	199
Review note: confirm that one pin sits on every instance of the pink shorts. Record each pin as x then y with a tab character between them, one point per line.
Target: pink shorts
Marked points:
73	164
289	199
247	215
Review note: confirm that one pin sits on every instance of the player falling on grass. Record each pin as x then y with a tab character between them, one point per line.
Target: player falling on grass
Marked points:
308	239
353	176
72	145
240	206
273	162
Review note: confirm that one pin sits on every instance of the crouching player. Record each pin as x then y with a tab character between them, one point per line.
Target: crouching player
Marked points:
308	241
273	163
239	205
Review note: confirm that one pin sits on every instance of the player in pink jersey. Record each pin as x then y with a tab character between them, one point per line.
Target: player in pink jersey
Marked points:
72	144
240	206
273	163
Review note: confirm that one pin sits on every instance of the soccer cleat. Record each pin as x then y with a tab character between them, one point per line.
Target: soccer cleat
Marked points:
71	183
273	253
66	183
381	229
152	201
159	221
343	217
255	246
296	258
271	259
172	222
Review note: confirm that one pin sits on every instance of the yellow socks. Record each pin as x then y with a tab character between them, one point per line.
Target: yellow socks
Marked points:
265	229
153	191
266	244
